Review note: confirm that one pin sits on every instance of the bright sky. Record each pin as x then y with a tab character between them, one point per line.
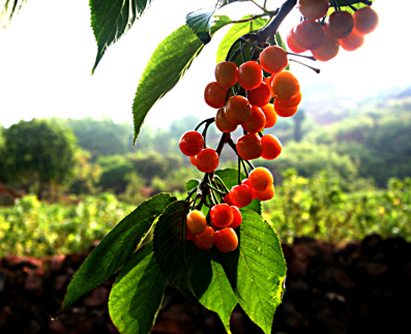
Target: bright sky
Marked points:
47	53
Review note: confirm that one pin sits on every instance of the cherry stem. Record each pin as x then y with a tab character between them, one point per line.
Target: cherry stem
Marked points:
302	56
316	70
220	181
351	6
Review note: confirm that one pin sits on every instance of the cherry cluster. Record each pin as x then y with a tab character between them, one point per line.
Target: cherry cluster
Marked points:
323	35
250	96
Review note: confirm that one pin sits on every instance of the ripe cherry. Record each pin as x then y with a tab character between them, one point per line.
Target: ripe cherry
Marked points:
250	75
309	34
270	115
352	42
266	194
226	73
215	95
273	59
313	9
193	160
237	109
256	122
328	49
292	44
226	240
293	101
259	96
241	195
238	218
222	123
340	24
365	20
196	222
191	143
271	147
267	81
284	112
205	240
221	215
260	179
249	146
207	160
285	85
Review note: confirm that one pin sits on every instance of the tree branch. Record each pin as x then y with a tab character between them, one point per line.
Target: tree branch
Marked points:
271	29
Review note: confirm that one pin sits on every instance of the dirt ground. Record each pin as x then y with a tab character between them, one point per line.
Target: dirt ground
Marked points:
363	287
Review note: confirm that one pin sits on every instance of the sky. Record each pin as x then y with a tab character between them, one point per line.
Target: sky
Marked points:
48	51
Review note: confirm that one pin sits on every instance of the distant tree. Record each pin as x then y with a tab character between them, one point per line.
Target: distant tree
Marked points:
2	155
38	154
101	137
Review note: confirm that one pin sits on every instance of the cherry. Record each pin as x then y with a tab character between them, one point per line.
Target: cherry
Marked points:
270	115
207	160
215	95
259	96
222	123
226	239
241	195
313	9
205	240
237	109
191	143
328	49
309	34
284	112
285	85
196	222
237	217
273	59
221	215
292	44
250	75
365	20
226	73
249	146
256	122
352	42
266	194
340	24
293	101
271	147
260	179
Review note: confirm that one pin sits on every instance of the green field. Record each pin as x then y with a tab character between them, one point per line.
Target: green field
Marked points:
314	207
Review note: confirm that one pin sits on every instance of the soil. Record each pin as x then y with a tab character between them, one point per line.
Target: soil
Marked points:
363	287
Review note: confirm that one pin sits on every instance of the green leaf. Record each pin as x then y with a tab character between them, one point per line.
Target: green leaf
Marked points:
257	269
116	248
200	22
169	243
210	283
137	294
236	31
191	184
343	4
204	23
230	178
110	19
9	10
166	67
227	2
